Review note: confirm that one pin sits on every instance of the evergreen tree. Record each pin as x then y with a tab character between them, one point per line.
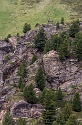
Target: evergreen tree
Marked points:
64	115
49	105
59	94
74	28
62	20
64	50
8	120
21	84
48	46
63	36
67	111
39	79
22	70
78	21
57	25
48	116
42	95
21	121
56	41
60	119
78	46
72	120
40	40
55	123
33	59
76	103
29	94
18	35
26	27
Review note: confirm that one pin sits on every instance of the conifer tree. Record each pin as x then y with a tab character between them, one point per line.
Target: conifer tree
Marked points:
59	94
74	28
33	59
64	50
21	84
55	123
49	105
60	119
29	94
40	40
56	41
63	116
8	120
64	35
57	25
39	79
78	46
26	27
48	47
76	103
62	20
67	111
72	120
22	70
21	121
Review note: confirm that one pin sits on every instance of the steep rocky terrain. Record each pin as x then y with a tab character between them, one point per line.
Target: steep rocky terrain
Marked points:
67	74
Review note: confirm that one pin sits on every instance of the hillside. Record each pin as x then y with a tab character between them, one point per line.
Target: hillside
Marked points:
13	14
40	72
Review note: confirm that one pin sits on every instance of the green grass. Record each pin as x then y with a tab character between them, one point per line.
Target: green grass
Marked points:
13	15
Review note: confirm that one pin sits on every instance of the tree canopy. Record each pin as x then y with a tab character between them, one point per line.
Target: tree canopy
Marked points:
26	27
74	28
40	40
8	120
39	79
76	103
29	94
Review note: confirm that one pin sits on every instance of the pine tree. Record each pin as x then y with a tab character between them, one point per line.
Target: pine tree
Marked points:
49	105
56	41
76	103
42	95
22	70
62	20
8	120
55	123
21	84
48	47
39	79
67	111
57	25
59	94
29	94
63	116
21	121
74	28
72	120
33	59
40	40
26	27
60	119
64	35
78	46
64	50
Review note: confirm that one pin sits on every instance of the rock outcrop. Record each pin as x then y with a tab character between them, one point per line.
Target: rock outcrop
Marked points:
64	74
26	110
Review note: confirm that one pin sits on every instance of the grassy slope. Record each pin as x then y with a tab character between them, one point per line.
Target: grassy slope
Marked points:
13	16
